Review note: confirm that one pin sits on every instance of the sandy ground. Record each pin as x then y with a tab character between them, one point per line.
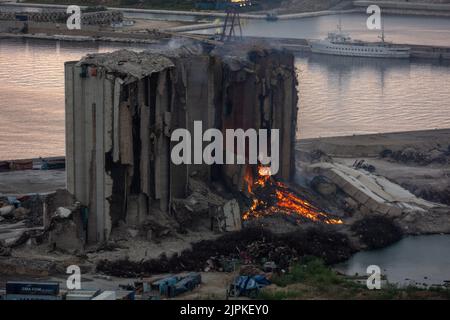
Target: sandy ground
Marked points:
32	181
372	144
136	32
417	178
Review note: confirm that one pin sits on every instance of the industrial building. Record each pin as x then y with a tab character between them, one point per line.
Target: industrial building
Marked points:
122	107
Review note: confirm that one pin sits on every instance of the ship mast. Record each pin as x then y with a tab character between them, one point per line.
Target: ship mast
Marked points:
382	30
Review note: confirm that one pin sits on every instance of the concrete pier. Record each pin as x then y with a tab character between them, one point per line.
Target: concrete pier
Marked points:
417	51
425	8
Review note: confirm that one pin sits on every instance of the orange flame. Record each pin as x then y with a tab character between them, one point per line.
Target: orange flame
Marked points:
286	201
248	178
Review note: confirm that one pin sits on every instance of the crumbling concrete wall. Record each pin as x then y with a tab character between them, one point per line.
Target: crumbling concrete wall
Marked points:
122	107
258	90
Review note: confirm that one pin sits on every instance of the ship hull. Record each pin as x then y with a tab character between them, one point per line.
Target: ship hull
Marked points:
361	50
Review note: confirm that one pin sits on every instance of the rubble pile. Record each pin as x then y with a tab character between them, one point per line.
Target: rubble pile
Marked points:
421	157
252	246
210	207
55	219
20	220
440	196
433	156
64	231
377	232
25	208
363	194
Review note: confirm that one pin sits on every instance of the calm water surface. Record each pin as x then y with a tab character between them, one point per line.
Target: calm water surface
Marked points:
32	95
421	259
338	95
398	29
345	96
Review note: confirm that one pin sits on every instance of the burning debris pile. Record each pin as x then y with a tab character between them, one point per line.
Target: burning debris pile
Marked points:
252	246
271	197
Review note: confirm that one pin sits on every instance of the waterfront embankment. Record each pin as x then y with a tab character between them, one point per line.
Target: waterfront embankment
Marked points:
295	45
388	7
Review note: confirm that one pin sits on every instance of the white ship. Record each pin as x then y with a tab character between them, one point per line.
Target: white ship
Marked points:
339	43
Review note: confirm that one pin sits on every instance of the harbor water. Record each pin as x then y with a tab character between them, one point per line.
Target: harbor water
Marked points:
338	95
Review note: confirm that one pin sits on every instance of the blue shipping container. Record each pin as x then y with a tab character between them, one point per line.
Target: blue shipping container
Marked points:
32	288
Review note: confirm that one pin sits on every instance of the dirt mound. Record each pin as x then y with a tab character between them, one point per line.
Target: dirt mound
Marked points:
421	157
377	232
249	246
432	194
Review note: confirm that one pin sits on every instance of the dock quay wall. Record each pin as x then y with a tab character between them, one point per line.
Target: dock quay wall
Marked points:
89	18
417	51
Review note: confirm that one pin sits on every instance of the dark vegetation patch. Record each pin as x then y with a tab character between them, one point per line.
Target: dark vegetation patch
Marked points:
377	232
311	270
433	195
410	155
250	246
310	278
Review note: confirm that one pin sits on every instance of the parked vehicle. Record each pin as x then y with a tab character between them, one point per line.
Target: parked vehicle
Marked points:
271	17
247	286
53	164
188	283
162	285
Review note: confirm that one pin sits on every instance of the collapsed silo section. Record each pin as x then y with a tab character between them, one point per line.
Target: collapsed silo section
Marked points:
122	111
117	142
259	91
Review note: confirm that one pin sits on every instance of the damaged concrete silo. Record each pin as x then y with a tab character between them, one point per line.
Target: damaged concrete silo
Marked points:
122	107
